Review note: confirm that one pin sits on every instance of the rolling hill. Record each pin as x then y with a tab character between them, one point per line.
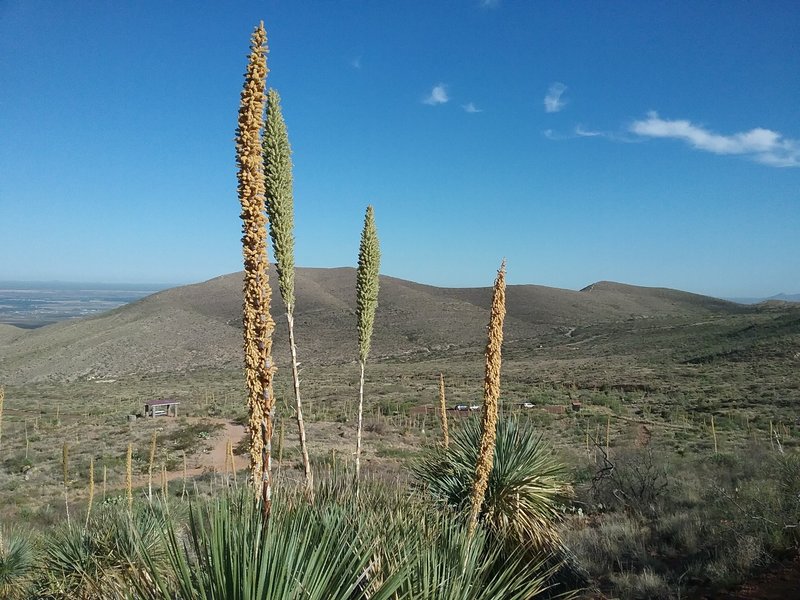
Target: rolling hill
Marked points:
199	326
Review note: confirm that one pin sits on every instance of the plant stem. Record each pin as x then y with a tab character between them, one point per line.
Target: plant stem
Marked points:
360	420
301	428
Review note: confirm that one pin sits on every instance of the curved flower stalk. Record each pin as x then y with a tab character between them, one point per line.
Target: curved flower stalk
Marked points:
491	396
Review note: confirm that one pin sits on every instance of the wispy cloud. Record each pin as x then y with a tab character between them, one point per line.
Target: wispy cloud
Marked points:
471	108
552	101
438	95
580	131
762	145
490	3
356	62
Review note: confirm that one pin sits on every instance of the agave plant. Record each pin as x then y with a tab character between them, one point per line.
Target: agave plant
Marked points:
525	489
16	565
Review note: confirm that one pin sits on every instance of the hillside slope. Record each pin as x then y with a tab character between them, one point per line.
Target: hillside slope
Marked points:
198	326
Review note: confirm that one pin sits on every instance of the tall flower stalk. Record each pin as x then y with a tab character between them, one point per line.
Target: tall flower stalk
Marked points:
443	412
367	283
280	212
491	396
257	322
2	397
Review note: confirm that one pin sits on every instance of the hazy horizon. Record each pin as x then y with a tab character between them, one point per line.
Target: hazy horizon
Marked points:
6	285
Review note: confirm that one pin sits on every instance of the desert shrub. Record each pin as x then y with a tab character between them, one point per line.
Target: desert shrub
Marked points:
189	437
635	480
19	463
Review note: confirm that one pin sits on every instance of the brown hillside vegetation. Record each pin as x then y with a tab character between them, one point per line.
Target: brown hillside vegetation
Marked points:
199	326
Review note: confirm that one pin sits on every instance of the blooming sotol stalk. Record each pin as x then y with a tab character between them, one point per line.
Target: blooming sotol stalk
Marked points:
280	210
367	282
491	395
257	322
443	412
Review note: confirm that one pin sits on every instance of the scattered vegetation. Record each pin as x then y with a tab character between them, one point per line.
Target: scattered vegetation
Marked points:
656	457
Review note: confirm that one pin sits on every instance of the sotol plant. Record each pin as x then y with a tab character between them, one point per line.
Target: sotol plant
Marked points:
491	395
367	283
280	211
257	321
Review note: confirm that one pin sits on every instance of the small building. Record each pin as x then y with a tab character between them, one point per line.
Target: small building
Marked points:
576	405
165	407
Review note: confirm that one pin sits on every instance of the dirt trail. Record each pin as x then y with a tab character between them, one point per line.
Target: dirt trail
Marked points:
214	460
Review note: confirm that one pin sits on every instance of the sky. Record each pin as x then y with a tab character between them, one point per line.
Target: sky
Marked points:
650	143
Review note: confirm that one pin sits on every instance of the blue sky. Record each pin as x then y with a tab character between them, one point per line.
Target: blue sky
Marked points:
653	143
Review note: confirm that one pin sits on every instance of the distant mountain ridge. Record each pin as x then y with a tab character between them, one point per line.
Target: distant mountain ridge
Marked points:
777	298
199	325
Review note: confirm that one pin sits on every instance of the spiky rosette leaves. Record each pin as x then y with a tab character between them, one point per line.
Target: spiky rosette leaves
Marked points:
279	197
491	394
525	489
367	283
257	321
16	565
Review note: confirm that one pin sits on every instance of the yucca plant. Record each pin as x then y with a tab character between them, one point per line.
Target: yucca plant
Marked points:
430	549
491	396
367	284
229	552
525	489
257	321
280	210
102	560
16	565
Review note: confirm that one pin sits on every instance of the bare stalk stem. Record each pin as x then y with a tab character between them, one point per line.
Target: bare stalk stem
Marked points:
301	428
358	435
443	411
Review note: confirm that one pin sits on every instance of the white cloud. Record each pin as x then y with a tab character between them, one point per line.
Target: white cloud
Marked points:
438	95
490	3
762	145
552	101
471	108
581	132
356	62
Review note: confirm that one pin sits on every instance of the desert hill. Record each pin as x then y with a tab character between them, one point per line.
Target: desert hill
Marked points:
199	326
